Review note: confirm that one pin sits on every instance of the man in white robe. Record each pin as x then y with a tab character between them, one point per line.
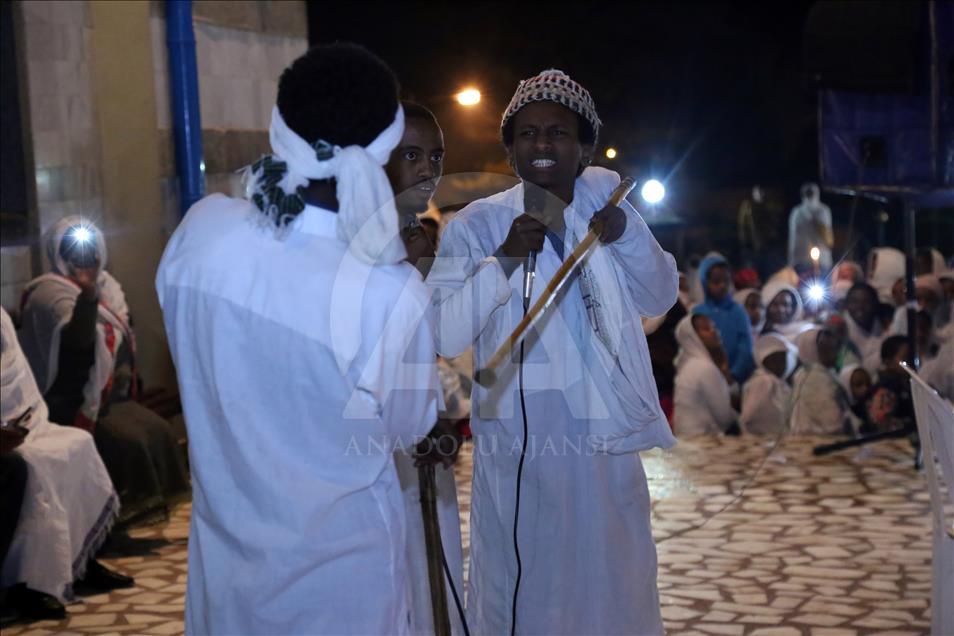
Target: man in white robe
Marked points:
305	356
588	562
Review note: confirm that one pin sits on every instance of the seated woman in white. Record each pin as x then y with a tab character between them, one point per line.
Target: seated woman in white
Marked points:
783	310
766	395
69	503
703	405
819	403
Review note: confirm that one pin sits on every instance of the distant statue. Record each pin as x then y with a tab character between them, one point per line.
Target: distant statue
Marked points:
809	227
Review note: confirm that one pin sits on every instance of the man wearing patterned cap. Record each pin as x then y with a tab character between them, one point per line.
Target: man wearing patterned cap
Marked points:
293	320
560	532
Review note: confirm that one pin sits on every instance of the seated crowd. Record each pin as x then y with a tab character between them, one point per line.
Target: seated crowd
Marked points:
803	354
82	459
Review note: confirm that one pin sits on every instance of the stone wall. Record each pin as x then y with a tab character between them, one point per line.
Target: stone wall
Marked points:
81	136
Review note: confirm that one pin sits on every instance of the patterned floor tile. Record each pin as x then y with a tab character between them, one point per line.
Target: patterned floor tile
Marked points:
821	546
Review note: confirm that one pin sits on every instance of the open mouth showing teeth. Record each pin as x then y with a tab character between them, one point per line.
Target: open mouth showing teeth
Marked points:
543	163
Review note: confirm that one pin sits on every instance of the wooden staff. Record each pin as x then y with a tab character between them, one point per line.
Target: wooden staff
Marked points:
487	376
435	551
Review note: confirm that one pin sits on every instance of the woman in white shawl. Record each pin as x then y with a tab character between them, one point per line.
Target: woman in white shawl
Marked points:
703	405
766	395
77	337
865	330
69	503
819	404
783	310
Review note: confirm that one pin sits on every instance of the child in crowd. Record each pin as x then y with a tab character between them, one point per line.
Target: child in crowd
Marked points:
702	401
766	395
890	405
731	321
751	301
819	405
856	381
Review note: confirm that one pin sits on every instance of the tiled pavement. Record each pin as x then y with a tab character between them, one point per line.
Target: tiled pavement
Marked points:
822	546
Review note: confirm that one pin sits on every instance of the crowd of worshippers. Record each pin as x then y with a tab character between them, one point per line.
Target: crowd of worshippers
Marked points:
809	352
83	460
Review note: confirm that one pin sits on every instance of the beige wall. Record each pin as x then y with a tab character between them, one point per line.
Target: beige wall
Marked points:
100	131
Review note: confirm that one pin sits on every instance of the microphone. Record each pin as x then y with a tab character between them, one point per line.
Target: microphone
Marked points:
529	272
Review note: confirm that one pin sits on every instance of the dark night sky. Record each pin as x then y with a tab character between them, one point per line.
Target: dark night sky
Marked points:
717	83
712	97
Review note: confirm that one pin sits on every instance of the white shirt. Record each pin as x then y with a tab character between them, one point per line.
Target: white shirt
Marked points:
300	367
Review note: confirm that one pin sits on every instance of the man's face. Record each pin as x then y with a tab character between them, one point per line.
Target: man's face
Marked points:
753	307
416	165
861	307
757	194
546	148
782	308
717	281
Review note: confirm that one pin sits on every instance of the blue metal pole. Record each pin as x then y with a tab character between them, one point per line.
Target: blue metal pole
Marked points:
186	119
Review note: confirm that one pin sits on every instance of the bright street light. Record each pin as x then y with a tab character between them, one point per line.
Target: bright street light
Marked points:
611	153
815	253
468	97
653	191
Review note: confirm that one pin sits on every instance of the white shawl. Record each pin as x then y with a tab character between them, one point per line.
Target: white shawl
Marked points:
47	307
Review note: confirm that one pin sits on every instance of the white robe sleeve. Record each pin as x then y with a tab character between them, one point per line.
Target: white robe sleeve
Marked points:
468	287
400	380
648	271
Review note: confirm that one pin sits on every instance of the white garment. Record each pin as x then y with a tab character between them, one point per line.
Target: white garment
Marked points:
69	503
421	617
574	493
765	402
48	303
300	369
867	343
819	406
766	398
805	225
702	404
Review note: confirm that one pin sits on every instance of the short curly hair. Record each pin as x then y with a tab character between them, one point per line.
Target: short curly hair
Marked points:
341	93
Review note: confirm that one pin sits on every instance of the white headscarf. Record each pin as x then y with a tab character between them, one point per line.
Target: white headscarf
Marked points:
768	344
808	346
367	219
690	344
794	326
47	307
844	379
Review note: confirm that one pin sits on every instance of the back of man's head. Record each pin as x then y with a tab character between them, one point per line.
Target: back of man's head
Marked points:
339	93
